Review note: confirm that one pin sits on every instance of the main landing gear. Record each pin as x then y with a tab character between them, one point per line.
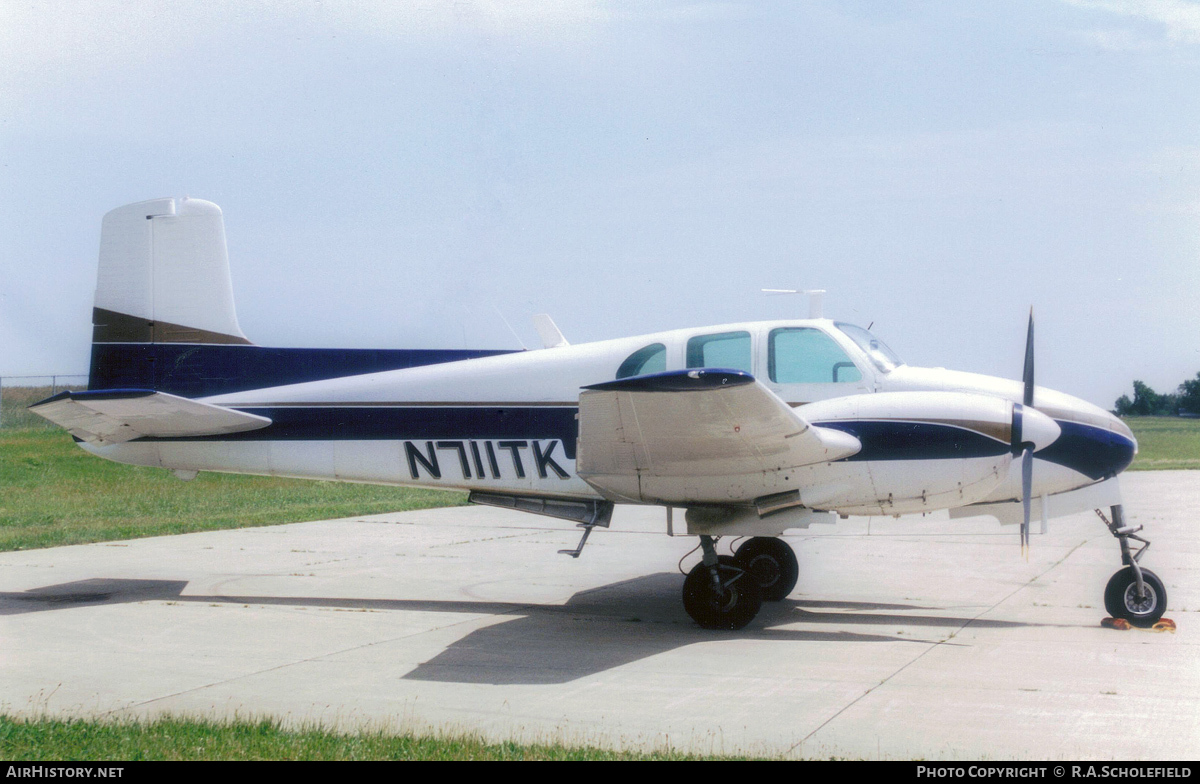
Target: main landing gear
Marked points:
1134	594
726	592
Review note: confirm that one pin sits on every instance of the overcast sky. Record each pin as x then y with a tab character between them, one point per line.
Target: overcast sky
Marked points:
394	174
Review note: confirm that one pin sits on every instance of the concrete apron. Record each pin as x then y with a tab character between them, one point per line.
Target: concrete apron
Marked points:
909	638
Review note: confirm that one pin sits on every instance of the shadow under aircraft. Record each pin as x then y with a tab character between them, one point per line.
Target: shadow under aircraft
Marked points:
594	631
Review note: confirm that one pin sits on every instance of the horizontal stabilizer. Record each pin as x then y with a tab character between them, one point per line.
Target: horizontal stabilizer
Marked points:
117	415
639	436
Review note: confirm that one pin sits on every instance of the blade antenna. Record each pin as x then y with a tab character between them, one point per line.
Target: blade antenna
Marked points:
510	329
815	297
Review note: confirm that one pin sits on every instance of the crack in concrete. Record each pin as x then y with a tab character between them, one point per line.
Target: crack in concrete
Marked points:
318	657
936	645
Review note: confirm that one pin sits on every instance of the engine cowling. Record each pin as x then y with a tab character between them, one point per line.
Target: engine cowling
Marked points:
923	451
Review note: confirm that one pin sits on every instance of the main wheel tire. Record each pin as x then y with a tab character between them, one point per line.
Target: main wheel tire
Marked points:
773	564
1122	601
733	609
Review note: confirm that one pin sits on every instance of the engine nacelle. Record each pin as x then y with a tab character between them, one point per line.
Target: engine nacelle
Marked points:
922	451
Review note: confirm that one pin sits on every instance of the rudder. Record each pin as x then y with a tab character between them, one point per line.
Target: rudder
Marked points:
164	276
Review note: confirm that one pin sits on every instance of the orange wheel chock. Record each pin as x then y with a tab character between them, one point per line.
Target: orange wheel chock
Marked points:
1163	625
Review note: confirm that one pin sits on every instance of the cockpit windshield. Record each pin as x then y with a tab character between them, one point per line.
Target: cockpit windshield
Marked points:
883	357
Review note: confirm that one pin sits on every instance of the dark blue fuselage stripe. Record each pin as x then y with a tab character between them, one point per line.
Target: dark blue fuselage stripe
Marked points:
202	370
353	423
1094	452
881	440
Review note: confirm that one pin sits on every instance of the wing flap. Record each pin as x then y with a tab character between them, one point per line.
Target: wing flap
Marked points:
694	424
116	416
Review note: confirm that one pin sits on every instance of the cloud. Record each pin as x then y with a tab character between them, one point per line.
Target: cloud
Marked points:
1110	40
49	42
533	20
1180	18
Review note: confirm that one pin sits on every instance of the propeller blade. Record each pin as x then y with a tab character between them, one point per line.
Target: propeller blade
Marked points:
1026	496
1043	431
1028	375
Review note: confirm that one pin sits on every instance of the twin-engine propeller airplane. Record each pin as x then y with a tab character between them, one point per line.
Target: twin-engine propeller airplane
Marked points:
752	428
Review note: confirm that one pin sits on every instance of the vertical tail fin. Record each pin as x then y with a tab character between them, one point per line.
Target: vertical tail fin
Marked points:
164	276
164	318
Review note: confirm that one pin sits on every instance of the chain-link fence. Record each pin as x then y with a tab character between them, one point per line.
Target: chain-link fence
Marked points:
17	393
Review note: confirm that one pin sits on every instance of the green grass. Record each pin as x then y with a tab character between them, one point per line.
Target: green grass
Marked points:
1165	443
15	402
43	740
53	493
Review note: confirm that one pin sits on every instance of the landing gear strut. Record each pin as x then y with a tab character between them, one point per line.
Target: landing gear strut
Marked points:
724	592
718	593
1134	594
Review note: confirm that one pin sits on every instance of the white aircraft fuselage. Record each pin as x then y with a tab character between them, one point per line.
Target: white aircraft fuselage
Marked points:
508	423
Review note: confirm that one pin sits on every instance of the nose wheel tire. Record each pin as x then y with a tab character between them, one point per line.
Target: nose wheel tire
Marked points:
731	607
773	564
1122	599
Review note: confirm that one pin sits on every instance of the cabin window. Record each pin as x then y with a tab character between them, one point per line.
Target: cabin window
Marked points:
802	355
884	358
650	359
730	350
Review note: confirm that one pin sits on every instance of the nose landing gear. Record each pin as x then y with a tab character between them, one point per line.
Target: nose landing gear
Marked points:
1134	594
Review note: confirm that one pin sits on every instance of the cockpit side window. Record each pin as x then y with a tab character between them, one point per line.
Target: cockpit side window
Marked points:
729	350
649	359
803	355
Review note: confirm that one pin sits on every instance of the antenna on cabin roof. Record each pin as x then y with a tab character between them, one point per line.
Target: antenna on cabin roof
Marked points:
815	297
510	329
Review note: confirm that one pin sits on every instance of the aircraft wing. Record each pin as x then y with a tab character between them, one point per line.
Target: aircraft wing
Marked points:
118	415
686	436
1047	507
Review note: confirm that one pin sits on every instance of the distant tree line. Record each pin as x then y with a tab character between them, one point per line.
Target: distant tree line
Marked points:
1147	402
